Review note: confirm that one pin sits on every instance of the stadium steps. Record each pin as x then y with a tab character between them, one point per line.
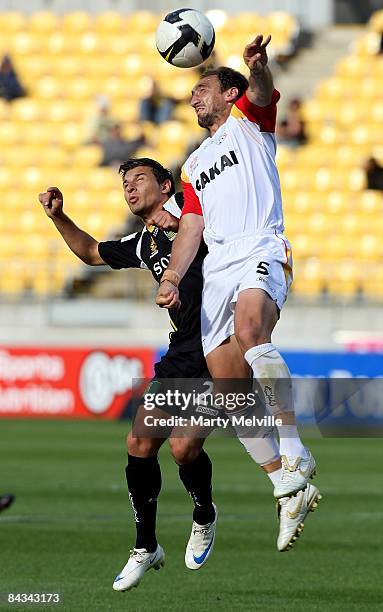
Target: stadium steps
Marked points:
315	64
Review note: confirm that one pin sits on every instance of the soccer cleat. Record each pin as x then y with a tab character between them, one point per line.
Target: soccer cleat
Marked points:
292	512
295	475
139	562
6	501
201	543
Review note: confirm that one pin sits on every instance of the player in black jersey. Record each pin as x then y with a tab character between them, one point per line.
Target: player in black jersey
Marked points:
149	192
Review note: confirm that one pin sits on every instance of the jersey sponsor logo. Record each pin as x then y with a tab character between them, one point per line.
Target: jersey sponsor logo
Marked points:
170	235
161	265
153	247
225	161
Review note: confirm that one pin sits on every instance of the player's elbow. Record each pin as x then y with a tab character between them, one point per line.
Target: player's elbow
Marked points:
192	225
91	256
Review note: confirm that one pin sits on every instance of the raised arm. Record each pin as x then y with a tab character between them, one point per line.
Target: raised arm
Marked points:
82	244
184	250
261	85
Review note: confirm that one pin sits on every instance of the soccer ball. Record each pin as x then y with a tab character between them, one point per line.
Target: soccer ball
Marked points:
185	38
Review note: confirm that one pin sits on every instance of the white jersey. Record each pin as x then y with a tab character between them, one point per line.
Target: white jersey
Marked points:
232	179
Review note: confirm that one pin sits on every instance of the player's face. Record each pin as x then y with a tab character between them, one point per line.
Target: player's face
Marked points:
141	190
208	101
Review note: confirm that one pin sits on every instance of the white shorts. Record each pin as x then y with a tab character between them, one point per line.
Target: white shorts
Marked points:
261	261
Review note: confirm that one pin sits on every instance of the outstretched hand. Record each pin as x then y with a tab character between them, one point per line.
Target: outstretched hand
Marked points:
255	54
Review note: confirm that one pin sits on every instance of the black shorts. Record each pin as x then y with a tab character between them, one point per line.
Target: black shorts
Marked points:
181	372
181	363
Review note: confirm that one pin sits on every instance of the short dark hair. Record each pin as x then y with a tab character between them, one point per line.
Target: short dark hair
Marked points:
162	174
228	78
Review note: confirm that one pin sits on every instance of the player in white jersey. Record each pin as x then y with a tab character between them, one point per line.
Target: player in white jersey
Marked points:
233	198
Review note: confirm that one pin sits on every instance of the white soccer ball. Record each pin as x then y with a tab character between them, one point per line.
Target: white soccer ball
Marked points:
185	38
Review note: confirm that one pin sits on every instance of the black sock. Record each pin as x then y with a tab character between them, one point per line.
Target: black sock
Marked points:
143	476
196	477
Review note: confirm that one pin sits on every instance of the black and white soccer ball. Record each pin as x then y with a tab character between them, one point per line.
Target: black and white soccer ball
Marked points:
185	38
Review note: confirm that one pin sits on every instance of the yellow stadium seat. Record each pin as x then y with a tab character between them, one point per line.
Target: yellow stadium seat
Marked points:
76	22
281	22
110	22
353	67
125	111
48	88
368	44
43	22
371	202
8	178
68	66
10	133
142	21
336	246
244	22
25	109
70	134
12	281
87	157
12	21
133	65
24	43
81	89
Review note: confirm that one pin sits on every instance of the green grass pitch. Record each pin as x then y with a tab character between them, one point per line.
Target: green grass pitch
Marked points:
71	528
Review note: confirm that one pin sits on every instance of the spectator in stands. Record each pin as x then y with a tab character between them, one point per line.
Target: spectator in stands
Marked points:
10	86
117	149
101	123
374	174
291	130
156	107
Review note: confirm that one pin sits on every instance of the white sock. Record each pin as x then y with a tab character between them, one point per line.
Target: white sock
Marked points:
275	476
262	446
290	443
269	368
261	450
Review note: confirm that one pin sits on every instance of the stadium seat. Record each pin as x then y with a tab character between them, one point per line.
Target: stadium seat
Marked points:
76	22
12	21
43	22
142	21
109	22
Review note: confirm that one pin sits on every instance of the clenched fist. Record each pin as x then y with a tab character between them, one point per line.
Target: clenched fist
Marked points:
164	220
52	201
168	295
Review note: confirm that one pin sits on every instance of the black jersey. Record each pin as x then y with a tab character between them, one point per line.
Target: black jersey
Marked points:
150	249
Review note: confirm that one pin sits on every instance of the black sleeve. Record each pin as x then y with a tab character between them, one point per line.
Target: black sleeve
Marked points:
179	198
122	253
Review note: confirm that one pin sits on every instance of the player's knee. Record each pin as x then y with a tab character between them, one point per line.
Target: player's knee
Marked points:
249	336
183	452
141	447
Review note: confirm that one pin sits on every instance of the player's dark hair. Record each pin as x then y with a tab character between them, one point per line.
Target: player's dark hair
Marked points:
162	174
228	78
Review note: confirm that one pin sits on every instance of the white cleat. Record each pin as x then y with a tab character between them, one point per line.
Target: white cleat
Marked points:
296	472
292	512
139	562
201	543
